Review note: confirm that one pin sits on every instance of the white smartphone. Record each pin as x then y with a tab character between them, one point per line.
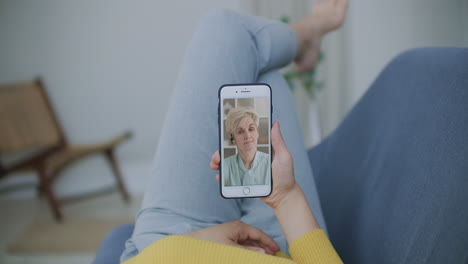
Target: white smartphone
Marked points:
244	112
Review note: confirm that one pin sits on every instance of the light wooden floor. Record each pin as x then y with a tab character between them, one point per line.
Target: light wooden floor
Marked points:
16	215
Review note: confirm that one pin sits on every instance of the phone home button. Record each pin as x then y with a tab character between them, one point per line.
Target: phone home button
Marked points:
246	190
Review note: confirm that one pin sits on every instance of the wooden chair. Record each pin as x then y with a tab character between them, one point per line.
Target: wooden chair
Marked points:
28	125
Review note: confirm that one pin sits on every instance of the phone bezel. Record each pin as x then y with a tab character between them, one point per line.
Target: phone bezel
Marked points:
227	91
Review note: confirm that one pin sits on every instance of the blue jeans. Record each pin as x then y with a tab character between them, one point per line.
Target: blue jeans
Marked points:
182	193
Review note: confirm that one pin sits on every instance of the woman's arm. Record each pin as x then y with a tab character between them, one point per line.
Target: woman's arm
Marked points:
287	199
295	216
308	244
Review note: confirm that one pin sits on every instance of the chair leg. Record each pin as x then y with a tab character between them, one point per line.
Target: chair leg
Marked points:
46	189
118	176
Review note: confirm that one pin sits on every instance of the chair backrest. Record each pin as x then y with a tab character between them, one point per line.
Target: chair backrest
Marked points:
27	120
393	177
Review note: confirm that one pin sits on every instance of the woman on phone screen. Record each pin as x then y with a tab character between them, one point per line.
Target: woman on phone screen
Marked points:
249	166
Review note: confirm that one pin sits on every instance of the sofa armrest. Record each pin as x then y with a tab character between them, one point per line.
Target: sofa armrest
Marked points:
113	245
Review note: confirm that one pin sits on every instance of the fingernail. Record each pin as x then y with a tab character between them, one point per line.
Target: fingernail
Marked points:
261	250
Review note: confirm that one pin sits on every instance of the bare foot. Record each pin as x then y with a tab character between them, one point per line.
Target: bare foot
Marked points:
326	16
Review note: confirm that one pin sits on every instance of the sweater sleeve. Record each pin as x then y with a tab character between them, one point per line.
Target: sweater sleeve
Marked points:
314	247
183	249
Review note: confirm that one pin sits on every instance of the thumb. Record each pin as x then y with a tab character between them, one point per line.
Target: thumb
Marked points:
277	140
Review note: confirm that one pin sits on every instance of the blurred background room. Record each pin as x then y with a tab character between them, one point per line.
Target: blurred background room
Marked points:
109	67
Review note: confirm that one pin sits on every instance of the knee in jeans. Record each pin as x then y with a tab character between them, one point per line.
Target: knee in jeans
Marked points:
221	17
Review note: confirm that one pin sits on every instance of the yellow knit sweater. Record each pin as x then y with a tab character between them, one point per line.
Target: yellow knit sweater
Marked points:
313	247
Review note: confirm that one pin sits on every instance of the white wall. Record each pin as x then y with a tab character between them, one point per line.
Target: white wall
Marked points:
376	31
109	66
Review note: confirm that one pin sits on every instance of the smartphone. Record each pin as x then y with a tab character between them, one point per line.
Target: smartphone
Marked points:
244	116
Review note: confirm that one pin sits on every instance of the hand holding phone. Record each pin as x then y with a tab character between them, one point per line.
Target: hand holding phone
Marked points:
287	199
244	134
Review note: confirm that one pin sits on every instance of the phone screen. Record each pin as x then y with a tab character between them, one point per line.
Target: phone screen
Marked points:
245	125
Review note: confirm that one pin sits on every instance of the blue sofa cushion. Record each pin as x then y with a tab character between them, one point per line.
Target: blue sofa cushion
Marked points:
393	177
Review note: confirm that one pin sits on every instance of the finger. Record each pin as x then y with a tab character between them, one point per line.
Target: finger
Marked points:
258	244
257	249
267	249
215	159
277	140
249	247
217	177
248	232
214	166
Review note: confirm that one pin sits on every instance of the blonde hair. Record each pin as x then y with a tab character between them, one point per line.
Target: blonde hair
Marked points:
235	115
